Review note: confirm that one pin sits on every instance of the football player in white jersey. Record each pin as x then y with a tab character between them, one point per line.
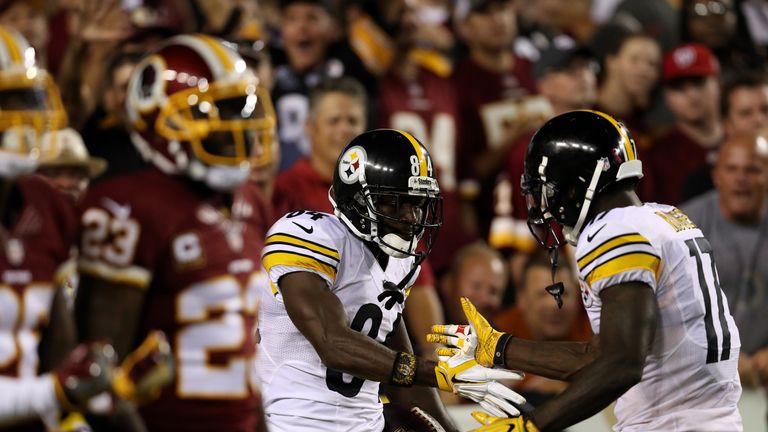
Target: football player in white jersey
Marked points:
665	344
330	322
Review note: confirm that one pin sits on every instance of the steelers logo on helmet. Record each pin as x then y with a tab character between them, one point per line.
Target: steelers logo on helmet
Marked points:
352	165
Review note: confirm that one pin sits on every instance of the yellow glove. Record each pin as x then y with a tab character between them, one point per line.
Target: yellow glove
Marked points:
481	342
500	424
146	370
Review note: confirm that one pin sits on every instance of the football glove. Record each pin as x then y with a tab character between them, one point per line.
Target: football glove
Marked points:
460	374
86	375
500	424
479	340
146	370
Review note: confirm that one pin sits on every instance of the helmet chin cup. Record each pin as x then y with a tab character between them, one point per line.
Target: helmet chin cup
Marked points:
221	178
396	246
15	165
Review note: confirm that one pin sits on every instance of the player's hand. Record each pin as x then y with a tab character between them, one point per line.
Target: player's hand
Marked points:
480	340
462	375
502	424
146	370
85	375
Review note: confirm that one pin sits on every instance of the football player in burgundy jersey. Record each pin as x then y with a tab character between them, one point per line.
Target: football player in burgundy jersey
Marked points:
37	231
176	247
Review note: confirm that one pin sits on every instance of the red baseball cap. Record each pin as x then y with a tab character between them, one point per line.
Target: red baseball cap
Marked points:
689	60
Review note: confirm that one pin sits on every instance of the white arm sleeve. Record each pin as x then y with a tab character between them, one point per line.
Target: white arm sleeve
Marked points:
27	398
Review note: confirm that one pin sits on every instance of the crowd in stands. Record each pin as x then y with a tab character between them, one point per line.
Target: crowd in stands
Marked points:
472	80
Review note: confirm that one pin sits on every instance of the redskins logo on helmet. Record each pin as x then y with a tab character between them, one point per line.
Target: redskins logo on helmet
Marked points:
384	190
30	106
195	109
570	160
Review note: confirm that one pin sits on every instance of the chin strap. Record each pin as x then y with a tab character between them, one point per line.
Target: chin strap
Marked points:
572	234
556	290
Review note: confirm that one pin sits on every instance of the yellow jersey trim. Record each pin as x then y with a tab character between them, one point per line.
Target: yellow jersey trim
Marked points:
293	259
609	245
288	239
623	263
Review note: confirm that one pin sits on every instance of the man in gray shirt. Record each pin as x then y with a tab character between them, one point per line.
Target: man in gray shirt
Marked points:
734	218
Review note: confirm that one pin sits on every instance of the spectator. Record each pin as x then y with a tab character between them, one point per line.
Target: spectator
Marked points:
721	26
745	104
630	73
66	164
105	132
416	98
337	110
491	82
744	107
692	91
479	274
734	218
535	316
308	53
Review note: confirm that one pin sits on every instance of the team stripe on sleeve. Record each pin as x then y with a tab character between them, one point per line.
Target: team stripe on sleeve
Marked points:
618	254
286	250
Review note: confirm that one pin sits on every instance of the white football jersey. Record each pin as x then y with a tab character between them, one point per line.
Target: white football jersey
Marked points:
690	380
299	392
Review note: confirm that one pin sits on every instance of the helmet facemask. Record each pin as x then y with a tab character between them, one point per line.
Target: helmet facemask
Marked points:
555	215
30	106
226	128
378	212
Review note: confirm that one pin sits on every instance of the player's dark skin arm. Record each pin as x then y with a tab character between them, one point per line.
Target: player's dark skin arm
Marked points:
599	373
106	310
424	397
320	317
59	336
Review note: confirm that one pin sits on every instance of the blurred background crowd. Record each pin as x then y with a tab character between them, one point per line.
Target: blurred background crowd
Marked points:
471	79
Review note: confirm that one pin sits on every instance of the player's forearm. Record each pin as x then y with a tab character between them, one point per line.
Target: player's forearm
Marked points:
589	393
555	360
359	355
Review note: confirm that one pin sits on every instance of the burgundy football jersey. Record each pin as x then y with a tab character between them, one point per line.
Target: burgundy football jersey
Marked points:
487	102
198	260
34	251
673	157
427	109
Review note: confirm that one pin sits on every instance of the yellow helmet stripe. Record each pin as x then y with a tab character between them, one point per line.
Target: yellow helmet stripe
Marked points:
219	51
10	42
419	153
629	147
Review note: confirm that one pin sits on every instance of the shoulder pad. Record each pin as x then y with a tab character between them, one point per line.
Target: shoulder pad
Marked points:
304	241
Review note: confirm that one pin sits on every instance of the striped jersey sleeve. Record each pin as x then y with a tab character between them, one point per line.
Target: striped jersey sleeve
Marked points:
611	253
300	243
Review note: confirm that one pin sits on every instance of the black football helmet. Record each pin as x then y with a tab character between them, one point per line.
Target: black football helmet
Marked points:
378	173
570	160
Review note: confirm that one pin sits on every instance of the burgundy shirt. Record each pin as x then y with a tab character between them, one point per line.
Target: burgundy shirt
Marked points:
671	160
